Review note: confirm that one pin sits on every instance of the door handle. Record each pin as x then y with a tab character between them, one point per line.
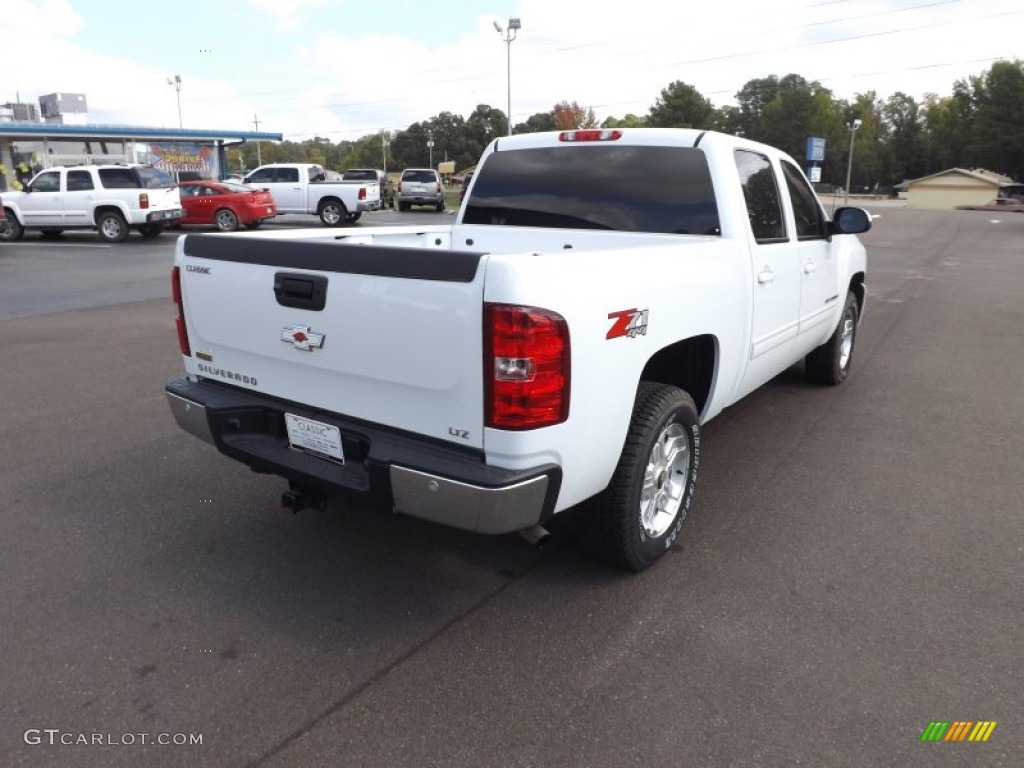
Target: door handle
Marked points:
301	291
765	276
810	268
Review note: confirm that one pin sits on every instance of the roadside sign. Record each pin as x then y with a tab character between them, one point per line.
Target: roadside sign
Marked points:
815	149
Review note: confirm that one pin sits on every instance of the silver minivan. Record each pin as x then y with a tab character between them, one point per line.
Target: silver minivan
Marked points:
420	186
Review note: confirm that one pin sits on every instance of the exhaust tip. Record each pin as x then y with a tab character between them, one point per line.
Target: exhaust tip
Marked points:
536	536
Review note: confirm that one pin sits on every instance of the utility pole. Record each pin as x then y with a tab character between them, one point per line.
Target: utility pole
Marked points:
852	128
508	35
259	157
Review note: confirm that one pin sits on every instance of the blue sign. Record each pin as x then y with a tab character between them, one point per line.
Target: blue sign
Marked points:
815	149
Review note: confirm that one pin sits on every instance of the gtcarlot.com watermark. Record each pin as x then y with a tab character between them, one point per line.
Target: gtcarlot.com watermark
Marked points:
55	736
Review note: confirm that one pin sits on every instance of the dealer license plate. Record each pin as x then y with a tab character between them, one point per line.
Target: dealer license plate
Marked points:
314	437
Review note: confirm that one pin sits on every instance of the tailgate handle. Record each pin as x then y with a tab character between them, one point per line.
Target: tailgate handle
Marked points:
294	289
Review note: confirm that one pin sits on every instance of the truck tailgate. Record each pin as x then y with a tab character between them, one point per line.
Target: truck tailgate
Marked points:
387	335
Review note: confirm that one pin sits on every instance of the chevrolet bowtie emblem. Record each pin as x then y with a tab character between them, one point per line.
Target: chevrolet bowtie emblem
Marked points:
301	337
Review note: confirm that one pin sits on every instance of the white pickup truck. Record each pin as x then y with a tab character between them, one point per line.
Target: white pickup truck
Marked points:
302	188
601	295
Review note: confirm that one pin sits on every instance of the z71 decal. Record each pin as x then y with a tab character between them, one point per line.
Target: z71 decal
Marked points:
629	322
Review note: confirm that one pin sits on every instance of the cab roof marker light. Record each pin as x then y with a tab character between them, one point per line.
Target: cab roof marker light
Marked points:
590	135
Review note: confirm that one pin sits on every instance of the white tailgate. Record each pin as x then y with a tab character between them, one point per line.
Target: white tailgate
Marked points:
163	199
401	351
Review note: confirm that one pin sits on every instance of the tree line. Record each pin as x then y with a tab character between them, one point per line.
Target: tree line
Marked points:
979	125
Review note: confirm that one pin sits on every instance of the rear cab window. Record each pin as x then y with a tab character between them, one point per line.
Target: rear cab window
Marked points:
761	193
666	190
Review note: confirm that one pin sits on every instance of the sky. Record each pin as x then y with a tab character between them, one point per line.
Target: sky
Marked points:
342	69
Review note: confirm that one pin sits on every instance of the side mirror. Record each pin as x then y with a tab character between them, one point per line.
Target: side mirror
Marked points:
850	221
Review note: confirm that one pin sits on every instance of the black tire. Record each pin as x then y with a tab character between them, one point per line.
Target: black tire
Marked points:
51	232
254	225
225	220
112	227
332	213
352	218
151	230
404	206
620	528
440	206
829	364
13	231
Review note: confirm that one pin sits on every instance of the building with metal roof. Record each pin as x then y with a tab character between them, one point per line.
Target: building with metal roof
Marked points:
28	147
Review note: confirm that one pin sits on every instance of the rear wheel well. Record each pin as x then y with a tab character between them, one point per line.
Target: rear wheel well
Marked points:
99	211
324	201
688	364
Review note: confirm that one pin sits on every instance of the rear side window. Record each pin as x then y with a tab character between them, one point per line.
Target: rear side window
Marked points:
810	221
761	191
118	178
79	181
664	190
154	178
286	175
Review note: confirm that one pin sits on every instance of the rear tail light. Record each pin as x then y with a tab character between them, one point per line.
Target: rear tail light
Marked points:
362	193
589	135
143	200
526	367
399	187
180	321
439	187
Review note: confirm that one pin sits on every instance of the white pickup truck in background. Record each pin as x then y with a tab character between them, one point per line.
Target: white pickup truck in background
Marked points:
302	188
601	295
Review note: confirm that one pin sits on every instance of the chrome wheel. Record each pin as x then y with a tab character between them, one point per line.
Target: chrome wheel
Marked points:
226	221
665	480
331	214
112	227
846	341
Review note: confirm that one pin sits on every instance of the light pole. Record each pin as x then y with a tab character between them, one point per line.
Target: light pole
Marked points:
430	149
384	149
513	27
852	128
176	82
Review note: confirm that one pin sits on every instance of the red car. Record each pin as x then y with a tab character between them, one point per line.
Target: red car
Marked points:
225	204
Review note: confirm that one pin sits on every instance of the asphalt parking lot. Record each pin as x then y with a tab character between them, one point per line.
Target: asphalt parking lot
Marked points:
851	572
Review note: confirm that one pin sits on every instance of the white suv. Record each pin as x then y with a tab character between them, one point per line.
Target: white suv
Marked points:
107	198
420	186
